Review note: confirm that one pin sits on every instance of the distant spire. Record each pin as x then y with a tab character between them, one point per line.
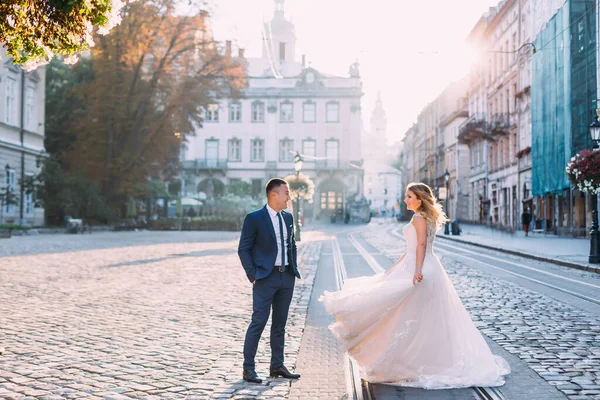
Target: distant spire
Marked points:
279	5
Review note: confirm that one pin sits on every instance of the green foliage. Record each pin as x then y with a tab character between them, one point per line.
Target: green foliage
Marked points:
64	194
15	227
240	188
231	205
33	31
131	208
63	105
8	197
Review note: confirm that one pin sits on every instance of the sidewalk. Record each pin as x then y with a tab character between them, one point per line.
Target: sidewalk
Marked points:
566	251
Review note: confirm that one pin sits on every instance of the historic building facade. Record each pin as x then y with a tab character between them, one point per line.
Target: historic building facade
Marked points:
287	108
430	148
22	112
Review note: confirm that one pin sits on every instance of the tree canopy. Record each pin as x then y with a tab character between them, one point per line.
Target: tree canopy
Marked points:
121	115
33	31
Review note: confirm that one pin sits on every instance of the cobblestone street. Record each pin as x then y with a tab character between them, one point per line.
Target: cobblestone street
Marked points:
162	315
142	321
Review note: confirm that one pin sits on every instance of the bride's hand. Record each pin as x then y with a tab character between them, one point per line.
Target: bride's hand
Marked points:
418	277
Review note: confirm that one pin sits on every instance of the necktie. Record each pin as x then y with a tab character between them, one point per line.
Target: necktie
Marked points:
282	241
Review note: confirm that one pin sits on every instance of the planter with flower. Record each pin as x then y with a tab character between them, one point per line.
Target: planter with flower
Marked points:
301	187
584	171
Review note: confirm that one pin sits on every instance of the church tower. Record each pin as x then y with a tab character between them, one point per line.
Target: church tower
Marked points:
379	122
279	37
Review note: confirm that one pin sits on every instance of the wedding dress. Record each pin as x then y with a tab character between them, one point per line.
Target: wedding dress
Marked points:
415	336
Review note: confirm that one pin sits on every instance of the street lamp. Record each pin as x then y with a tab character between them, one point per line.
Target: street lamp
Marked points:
179	137
5	196
594	234
298	163
447	179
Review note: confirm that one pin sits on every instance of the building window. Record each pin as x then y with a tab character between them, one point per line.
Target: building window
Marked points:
333	111
212	113
235	112
11	100
258	111
235	150
282	51
10	187
286	150
257	150
30	117
309	112
286	111
332	152
309	148
212	152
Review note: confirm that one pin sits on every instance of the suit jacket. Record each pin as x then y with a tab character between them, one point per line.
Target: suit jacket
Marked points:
258	244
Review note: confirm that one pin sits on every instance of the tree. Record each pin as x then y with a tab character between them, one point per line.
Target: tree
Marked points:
153	76
63	193
7	198
63	105
240	188
33	31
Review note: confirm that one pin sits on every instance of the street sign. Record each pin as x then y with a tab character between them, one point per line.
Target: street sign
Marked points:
442	193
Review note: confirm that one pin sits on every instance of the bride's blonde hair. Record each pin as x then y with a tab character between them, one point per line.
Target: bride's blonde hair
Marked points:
434	213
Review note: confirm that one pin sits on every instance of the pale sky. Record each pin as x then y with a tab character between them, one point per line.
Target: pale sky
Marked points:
386	36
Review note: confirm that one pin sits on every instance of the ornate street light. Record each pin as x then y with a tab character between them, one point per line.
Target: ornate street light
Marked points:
447	180
298	164
594	234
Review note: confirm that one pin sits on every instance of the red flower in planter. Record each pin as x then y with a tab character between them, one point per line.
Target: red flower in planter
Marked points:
584	171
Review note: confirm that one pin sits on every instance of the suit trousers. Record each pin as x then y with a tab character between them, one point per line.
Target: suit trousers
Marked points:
275	291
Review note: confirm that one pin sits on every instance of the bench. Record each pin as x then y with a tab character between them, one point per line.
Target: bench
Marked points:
5	233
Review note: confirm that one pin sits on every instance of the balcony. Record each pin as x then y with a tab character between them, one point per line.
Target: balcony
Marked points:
337	165
500	125
475	127
321	165
206	164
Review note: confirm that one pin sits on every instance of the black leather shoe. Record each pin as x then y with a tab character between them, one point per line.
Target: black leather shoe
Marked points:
251	376
283	372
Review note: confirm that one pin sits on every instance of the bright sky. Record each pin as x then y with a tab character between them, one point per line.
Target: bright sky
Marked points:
385	36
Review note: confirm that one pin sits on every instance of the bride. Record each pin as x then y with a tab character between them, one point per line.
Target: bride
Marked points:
407	326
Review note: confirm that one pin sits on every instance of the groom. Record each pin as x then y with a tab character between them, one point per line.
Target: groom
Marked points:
268	253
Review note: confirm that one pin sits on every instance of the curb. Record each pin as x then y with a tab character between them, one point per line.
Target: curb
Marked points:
588	268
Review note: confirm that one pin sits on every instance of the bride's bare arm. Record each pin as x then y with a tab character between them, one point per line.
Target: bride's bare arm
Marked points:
421	228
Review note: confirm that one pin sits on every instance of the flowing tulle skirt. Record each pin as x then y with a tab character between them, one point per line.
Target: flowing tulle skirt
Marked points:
406	335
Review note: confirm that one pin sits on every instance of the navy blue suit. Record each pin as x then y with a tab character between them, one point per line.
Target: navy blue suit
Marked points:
273	289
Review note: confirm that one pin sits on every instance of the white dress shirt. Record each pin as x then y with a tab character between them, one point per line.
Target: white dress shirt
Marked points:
275	221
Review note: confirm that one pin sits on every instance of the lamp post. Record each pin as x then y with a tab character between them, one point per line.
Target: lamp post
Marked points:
179	137
594	234
298	163
447	179
5	195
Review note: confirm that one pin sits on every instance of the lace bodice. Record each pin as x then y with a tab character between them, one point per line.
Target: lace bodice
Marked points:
410	234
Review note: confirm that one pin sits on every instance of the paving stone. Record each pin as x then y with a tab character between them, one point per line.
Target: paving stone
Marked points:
134	314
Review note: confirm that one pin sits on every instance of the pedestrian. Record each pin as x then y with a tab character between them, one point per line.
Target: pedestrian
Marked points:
526	220
268	253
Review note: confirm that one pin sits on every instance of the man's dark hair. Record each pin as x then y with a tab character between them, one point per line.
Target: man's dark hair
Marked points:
274	184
